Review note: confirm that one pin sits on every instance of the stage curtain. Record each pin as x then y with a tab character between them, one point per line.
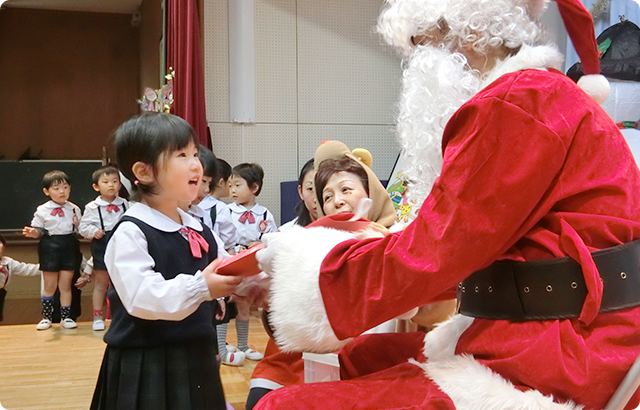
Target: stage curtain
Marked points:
185	55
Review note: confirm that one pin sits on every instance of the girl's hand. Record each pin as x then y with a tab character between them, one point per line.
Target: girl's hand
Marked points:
31	232
99	234
219	285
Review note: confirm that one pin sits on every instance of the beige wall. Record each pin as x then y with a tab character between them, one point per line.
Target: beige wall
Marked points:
321	72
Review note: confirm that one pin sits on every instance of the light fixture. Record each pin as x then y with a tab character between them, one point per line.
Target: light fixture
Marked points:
242	61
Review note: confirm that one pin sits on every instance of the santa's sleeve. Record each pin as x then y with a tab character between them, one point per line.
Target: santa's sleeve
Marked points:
498	166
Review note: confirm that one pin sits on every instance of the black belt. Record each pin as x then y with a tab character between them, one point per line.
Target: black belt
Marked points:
551	289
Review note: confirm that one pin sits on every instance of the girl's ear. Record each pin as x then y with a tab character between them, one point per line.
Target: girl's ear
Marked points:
255	188
222	183
95	187
300	191
143	172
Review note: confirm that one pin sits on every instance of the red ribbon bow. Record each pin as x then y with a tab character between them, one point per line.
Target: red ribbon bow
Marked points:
57	211
247	216
113	208
4	270
196	242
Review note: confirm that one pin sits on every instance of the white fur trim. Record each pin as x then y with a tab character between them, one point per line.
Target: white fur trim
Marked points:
297	310
529	57
469	384
596	86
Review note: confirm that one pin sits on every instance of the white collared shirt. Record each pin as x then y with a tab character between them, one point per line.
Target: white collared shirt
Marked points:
54	224
223	225
90	221
250	232
14	267
144	292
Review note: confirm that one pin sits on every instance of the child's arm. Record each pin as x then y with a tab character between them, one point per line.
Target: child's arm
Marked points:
89	226
144	292
225	228
37	226
31	232
271	223
21	268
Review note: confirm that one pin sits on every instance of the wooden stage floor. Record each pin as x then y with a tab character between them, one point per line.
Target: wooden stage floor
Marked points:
58	368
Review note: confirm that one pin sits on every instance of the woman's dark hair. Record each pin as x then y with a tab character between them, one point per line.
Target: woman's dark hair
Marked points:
2	240
252	173
330	166
106	170
209	163
146	138
301	210
55	177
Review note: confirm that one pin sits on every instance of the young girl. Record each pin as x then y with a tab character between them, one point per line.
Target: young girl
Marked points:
100	217
161	345
56	223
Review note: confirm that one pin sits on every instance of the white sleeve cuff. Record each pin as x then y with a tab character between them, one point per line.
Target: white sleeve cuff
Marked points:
297	311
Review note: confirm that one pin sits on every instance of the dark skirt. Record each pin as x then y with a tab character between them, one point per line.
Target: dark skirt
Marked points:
59	252
181	376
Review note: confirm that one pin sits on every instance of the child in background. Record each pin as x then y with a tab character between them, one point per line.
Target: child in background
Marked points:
218	211
100	217
56	223
10	267
161	345
251	220
210	173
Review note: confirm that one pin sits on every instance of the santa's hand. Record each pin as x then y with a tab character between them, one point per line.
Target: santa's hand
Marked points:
265	256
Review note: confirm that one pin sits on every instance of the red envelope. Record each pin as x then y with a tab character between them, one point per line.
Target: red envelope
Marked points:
241	264
245	263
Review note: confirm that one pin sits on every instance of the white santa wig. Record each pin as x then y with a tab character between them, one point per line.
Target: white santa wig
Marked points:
481	23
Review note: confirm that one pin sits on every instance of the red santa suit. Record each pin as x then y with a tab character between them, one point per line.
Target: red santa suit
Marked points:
533	169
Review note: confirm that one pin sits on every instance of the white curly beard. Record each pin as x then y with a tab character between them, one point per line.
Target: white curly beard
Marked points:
436	82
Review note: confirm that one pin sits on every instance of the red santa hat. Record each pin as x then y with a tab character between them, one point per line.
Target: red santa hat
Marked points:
579	24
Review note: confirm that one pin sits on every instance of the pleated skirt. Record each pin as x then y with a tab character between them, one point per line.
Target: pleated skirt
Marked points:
179	376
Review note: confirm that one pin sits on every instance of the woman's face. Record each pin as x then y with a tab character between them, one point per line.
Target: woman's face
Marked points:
343	193
308	195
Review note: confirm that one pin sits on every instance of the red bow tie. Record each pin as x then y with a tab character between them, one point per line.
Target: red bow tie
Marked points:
113	208
196	242
57	211
247	216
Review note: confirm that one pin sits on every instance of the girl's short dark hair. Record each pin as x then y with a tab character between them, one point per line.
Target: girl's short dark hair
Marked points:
146	138
106	170
224	169
208	161
330	166
54	177
2	240
301	210
252	173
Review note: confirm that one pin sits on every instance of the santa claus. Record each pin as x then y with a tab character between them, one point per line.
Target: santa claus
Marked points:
531	214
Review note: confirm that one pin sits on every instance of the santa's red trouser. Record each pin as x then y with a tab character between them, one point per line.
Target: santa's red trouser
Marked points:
375	375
